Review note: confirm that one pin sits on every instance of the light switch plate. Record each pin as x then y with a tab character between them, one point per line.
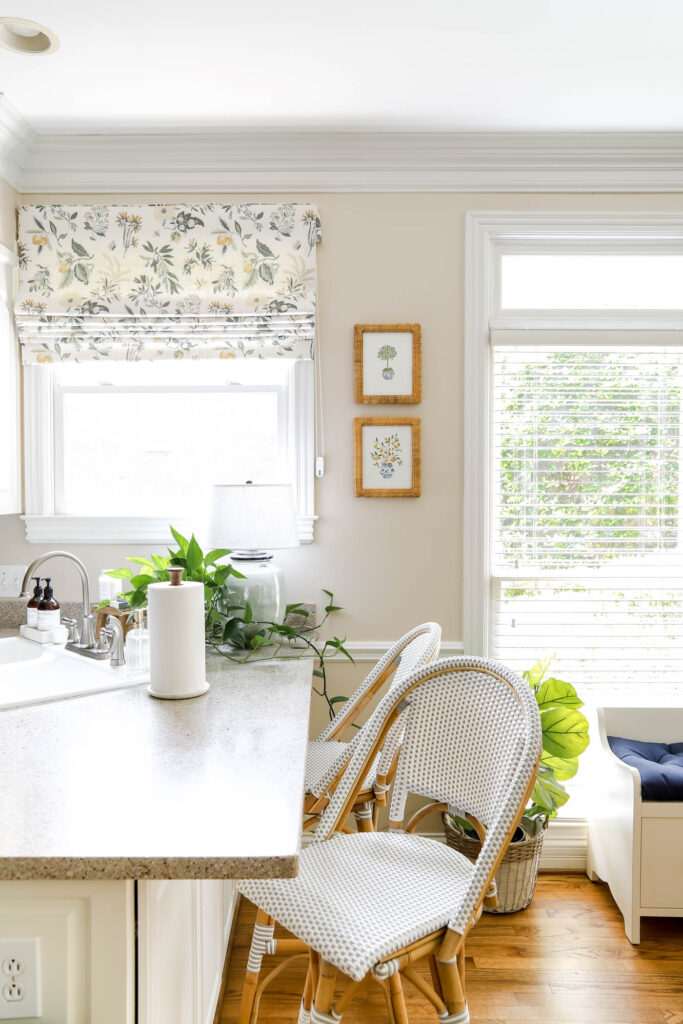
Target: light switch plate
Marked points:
11	577
19	979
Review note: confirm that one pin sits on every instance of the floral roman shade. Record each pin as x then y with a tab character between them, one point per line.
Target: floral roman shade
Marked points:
155	281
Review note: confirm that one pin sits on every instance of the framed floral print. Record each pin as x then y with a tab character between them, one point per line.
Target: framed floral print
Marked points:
386	457
387	364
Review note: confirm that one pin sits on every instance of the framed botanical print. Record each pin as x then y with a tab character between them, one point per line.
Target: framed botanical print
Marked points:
386	457
387	363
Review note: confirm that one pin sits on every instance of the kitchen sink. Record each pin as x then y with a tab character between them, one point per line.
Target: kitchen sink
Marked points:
32	673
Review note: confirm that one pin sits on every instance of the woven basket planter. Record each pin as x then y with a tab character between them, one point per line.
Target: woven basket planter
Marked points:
518	871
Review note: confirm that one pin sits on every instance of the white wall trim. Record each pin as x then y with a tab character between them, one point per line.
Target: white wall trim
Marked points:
373	650
49	529
344	161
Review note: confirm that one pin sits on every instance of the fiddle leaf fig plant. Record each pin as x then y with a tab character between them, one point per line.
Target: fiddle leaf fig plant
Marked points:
226	623
565	737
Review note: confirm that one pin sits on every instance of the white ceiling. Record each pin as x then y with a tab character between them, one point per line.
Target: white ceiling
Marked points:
452	65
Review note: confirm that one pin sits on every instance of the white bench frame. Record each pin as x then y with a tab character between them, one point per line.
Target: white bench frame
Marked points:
635	845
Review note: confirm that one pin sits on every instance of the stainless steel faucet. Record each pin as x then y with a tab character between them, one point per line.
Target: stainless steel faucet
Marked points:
85	644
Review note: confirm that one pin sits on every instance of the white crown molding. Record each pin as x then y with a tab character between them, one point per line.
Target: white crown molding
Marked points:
345	161
16	141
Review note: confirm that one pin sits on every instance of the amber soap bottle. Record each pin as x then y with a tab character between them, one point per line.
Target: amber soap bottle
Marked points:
48	609
32	606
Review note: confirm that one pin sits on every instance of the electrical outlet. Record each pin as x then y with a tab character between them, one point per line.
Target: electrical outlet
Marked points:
19	979
11	577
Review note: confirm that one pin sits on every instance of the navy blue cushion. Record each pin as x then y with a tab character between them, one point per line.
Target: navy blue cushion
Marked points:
660	766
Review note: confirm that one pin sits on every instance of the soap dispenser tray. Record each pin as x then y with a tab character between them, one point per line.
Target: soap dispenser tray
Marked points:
57	635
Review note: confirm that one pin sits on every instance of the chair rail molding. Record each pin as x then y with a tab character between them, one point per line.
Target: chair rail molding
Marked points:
373	650
340	161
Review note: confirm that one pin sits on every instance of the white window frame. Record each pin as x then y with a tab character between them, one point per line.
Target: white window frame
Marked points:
41	456
10	496
489	236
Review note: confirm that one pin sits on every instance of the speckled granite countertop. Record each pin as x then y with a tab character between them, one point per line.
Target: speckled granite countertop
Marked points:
120	785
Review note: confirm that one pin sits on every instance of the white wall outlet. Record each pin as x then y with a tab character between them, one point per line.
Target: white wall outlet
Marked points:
11	577
19	978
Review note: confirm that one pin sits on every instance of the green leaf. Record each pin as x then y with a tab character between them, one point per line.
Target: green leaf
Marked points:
79	250
194	555
81	272
181	541
120	574
563	767
221	574
535	674
212	557
143	580
338	700
318	673
140	561
565	732
160	562
292	608
555	693
137	598
266	273
548	793
248	614
264	250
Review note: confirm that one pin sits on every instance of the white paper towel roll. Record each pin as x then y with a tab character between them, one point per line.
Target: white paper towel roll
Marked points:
177	658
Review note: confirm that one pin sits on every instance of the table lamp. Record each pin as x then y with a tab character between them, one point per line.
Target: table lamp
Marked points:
251	520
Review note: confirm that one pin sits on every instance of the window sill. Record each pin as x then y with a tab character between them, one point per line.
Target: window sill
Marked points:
119	529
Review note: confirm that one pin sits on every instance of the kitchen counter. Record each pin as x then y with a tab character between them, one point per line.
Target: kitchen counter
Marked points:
119	785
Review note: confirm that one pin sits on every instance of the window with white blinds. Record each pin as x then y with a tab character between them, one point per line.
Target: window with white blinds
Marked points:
586	556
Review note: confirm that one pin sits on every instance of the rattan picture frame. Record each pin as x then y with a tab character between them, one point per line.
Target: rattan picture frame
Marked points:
383	442
369	341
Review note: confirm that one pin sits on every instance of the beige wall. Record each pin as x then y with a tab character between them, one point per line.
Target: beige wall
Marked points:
385	257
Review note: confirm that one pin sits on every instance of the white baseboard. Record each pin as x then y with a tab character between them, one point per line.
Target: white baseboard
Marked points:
564	846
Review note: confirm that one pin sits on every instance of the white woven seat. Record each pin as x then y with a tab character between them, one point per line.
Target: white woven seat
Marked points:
370	904
352	881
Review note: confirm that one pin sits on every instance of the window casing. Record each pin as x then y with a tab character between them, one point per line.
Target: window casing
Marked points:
122	447
534	585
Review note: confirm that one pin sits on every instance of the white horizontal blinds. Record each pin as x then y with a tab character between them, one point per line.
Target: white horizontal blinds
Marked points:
196	280
586	544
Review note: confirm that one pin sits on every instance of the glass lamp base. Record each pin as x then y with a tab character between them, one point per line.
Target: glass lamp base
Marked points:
262	587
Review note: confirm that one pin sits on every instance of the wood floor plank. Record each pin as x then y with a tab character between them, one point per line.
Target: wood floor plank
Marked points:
564	960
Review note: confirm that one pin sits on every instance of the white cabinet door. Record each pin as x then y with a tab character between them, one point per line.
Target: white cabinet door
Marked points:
10	386
183	927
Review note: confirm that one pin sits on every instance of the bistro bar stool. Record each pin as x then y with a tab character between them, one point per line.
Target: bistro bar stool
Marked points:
369	905
328	755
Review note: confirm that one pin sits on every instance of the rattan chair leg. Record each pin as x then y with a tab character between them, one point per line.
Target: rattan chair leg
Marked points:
397	999
263	931
307	997
453	993
324	993
363	815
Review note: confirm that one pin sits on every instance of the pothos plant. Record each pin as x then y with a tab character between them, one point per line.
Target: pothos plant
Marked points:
230	629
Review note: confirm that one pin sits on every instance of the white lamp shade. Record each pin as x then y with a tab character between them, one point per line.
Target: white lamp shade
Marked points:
248	517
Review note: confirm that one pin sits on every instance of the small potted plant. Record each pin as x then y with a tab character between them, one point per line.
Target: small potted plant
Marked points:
565	737
386	455
387	353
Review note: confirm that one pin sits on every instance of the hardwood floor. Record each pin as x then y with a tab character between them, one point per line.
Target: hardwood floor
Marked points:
564	960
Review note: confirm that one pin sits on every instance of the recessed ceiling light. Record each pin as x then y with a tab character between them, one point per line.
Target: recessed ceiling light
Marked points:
21	36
